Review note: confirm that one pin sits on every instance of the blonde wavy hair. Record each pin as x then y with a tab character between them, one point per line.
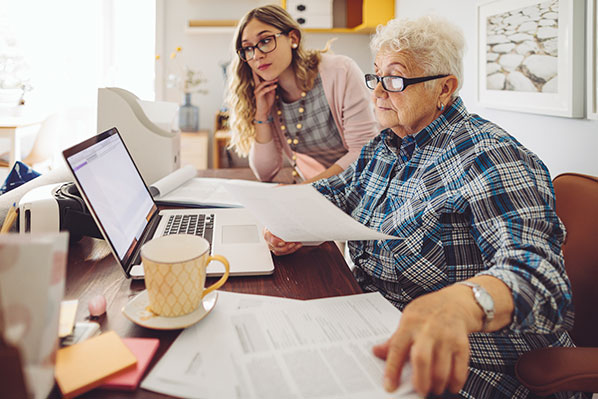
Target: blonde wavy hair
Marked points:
240	96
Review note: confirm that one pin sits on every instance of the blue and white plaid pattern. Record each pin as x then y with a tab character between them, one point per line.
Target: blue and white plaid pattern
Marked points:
19	174
468	200
319	137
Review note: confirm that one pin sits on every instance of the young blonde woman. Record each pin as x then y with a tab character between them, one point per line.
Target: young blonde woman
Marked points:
309	107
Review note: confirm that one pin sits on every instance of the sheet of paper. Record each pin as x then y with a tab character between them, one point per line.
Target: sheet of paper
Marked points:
68	310
171	181
301	213
301	349
183	188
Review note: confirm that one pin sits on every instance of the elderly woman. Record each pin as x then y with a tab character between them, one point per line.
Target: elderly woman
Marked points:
479	274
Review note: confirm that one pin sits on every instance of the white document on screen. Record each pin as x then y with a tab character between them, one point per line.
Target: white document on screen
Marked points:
300	213
279	348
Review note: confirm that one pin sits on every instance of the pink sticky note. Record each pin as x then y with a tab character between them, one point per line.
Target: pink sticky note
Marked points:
143	349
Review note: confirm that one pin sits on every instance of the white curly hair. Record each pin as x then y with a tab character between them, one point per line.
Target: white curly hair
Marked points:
434	43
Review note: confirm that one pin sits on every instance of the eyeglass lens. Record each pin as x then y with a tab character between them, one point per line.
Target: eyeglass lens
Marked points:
266	45
392	83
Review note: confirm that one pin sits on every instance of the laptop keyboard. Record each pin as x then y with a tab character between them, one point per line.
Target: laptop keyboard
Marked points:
199	225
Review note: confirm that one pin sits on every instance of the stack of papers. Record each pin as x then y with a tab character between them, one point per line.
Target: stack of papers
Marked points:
86	365
144	350
295	213
254	346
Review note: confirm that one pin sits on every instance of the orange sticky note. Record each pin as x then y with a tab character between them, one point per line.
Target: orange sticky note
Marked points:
143	349
86	365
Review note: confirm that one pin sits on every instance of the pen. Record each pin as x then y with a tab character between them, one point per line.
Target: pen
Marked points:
10	218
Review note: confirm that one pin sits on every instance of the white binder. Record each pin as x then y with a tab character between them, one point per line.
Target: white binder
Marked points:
146	128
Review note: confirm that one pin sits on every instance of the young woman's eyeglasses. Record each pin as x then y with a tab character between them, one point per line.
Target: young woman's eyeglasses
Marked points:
265	45
395	83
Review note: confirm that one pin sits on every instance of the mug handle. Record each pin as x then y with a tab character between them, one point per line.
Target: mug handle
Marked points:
224	277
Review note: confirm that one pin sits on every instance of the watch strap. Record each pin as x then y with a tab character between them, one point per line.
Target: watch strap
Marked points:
477	291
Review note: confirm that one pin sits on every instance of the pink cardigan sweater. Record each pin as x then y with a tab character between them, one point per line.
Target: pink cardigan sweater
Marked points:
350	103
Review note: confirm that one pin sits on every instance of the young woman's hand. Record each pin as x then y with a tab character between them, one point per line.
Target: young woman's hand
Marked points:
278	246
265	94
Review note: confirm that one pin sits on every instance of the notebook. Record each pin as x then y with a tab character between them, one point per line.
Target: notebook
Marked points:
127	215
144	350
86	365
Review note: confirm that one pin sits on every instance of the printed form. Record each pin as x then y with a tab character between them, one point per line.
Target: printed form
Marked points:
263	347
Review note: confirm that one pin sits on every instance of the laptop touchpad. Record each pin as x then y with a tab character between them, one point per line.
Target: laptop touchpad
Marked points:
240	234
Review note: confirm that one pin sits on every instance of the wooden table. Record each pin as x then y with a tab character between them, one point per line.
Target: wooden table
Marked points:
311	272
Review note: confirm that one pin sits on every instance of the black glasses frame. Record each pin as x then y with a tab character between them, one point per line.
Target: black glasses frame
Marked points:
241	51
406	81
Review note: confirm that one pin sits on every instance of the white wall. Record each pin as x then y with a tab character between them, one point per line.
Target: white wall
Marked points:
564	144
206	51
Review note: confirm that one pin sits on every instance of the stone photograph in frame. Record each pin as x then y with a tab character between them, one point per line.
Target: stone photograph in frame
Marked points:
531	56
592	59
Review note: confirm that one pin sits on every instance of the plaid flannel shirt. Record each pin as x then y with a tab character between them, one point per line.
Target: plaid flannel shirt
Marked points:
468	200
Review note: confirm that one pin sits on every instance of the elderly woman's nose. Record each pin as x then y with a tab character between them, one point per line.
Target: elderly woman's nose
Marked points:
379	90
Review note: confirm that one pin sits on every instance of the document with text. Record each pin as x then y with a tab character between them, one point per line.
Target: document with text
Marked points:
301	213
263	347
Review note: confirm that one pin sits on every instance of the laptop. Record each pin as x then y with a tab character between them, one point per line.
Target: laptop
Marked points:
127	215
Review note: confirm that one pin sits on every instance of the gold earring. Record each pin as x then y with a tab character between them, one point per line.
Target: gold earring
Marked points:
441	108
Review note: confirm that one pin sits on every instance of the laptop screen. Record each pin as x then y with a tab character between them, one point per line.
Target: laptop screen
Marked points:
114	189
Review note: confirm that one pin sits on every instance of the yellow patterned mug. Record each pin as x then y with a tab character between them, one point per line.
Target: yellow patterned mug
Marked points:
175	273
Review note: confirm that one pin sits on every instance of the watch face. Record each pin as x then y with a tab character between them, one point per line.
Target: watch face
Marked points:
485	300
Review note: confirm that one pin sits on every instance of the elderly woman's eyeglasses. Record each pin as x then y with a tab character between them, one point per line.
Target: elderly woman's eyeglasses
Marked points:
265	45
395	83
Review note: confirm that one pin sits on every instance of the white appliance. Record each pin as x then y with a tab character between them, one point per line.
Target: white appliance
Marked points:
146	128
39	211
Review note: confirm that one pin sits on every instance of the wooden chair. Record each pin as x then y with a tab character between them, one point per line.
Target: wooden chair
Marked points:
549	370
47	141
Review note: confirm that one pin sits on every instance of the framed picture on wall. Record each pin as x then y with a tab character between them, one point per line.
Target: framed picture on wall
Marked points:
531	56
592	59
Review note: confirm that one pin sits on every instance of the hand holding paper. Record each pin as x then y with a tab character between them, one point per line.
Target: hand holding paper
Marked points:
300	213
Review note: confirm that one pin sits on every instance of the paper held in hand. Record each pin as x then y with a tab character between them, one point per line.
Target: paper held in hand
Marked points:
300	213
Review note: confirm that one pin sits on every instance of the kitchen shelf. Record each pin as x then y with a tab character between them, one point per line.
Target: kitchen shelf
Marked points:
200	26
363	16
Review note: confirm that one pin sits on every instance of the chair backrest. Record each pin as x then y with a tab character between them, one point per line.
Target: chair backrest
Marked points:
577	207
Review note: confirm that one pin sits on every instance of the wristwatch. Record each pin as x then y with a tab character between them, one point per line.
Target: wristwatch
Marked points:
484	300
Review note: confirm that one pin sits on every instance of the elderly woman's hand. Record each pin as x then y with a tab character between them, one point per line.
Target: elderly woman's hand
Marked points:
433	336
278	246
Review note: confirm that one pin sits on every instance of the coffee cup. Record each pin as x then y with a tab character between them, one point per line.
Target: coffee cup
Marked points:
175	273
